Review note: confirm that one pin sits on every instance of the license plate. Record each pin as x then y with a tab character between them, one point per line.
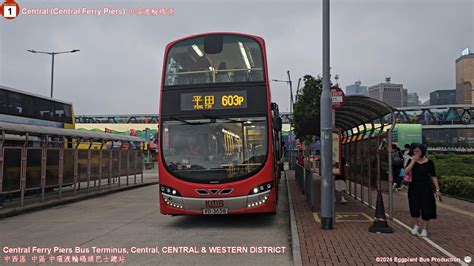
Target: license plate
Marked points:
215	211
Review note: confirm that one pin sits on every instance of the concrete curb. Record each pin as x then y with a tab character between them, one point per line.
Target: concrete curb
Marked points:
57	202
295	239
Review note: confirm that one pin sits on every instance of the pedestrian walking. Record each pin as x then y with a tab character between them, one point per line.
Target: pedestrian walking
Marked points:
406	155
421	198
397	165
406	158
341	185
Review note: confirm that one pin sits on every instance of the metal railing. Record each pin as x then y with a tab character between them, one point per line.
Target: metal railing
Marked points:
367	170
32	163
306	180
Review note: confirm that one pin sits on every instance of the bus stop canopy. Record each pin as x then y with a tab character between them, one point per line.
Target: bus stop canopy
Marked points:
359	110
73	133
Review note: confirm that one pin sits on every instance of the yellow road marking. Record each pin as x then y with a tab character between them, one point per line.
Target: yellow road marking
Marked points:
454	209
316	217
342	217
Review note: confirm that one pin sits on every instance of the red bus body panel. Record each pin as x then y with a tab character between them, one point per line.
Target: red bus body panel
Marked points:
240	188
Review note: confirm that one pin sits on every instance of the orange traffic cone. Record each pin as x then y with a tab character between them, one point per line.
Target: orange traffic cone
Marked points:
380	224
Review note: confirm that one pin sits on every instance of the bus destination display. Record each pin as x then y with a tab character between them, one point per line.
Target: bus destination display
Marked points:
213	100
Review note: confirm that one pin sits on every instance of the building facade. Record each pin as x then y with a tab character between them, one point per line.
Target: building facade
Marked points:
393	94
465	79
412	99
357	89
443	97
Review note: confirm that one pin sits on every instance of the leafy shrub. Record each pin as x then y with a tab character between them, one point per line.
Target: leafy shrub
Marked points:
458	186
453	164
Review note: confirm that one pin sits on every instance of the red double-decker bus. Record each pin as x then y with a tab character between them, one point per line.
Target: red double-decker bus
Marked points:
219	132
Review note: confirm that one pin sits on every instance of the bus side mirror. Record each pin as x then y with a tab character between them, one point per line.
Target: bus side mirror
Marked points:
278	124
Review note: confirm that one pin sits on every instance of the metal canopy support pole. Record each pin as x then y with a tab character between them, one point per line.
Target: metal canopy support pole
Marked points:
120	164
347	148
362	159
390	173
23	171
76	165
352	157
1	163
111	160
128	162
61	167
135	154
369	171
379	147
359	161
371	138
141	172
100	163
356	172
89	161
44	155
327	182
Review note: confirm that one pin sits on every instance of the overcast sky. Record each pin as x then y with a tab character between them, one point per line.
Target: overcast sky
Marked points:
118	69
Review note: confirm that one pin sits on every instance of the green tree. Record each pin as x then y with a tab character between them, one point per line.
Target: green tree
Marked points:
306	115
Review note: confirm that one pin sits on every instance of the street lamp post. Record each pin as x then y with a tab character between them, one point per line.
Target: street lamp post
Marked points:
52	64
291	109
327	181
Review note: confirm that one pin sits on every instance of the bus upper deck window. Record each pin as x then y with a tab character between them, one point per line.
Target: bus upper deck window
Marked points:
213	44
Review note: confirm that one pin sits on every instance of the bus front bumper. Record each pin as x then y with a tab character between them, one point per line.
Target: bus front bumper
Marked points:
261	202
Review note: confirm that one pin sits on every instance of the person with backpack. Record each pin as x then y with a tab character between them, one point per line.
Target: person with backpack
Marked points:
397	165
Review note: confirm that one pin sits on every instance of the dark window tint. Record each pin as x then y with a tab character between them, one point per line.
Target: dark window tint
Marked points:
15	106
59	114
62	113
27	105
3	102
68	113
43	109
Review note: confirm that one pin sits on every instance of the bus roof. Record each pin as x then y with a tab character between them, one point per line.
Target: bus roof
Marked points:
213	33
34	95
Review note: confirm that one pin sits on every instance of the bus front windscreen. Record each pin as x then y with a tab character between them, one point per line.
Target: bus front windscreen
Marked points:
214	150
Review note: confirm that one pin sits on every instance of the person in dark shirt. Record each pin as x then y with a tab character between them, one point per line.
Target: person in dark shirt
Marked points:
421	199
397	165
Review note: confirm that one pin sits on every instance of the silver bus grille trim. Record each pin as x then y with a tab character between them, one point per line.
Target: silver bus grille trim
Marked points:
233	203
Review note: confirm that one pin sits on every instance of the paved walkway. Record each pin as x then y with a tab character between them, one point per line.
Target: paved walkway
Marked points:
33	202
453	230
350	243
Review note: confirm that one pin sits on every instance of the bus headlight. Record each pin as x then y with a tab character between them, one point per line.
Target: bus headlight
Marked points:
169	191
172	197
259	195
261	188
